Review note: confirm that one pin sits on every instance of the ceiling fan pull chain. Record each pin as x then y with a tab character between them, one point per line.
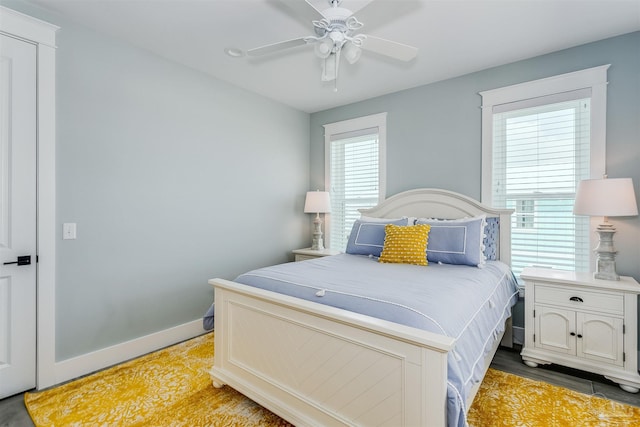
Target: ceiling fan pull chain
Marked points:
335	81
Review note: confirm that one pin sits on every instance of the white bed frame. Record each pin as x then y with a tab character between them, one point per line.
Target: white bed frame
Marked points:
316	365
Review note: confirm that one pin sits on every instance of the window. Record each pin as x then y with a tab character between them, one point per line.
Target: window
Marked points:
354	172
524	213
540	139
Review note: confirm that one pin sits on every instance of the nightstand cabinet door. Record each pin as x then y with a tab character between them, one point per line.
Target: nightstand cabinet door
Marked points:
600	338
554	328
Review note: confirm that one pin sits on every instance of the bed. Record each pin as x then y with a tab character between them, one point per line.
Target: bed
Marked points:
318	364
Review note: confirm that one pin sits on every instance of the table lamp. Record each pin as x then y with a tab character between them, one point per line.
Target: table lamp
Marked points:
317	202
605	198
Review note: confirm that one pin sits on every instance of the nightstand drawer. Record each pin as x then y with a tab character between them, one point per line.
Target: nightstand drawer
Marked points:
573	297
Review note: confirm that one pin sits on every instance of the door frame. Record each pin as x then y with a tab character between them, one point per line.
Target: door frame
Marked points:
43	35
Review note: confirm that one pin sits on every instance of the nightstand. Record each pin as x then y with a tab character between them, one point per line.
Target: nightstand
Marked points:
574	320
308	253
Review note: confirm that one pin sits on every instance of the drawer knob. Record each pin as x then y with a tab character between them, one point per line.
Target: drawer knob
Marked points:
577	299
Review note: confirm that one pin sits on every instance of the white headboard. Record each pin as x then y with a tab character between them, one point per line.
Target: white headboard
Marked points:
437	203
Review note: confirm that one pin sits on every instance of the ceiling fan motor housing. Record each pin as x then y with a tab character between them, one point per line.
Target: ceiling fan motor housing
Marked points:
338	25
337	17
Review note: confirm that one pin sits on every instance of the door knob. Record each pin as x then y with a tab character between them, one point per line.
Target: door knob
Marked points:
22	260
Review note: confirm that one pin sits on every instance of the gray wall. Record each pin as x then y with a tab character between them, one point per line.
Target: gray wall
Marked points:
163	169
434	131
173	178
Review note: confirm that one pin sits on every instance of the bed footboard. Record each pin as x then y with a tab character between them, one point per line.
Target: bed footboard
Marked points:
317	365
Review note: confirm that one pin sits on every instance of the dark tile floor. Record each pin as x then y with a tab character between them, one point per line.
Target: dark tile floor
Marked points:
13	412
508	360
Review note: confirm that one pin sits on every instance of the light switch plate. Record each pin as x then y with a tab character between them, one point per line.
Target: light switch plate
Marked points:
69	231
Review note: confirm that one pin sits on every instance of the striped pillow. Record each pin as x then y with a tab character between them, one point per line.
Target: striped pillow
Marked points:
405	244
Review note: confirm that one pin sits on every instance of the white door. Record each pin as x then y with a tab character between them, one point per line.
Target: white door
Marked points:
17	215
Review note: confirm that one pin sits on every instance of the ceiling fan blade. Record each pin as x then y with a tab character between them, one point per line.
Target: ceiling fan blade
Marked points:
276	47
388	48
304	9
356	6
376	14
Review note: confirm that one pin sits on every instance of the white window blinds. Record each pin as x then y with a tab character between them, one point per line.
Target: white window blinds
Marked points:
354	180
541	150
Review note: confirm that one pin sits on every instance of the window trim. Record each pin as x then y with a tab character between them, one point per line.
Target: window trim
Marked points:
379	121
591	78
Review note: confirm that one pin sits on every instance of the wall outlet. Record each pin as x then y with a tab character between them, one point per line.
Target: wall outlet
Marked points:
69	231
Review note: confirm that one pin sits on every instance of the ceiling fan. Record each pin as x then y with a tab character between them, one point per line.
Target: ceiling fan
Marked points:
335	31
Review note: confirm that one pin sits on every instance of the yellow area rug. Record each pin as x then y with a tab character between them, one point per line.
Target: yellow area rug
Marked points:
509	400
172	387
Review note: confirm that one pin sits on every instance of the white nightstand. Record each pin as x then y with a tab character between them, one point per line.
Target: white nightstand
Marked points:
308	253
575	320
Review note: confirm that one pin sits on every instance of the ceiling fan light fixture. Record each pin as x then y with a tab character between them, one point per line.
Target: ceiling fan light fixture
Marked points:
323	48
330	67
351	53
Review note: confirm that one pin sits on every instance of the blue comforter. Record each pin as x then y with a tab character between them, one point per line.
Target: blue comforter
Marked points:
467	303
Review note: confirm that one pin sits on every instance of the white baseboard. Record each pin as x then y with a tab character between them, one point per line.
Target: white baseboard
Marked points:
91	362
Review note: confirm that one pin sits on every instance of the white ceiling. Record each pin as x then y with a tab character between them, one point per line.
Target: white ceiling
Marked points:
454	37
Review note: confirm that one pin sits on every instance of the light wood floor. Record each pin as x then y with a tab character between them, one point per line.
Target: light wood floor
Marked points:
14	414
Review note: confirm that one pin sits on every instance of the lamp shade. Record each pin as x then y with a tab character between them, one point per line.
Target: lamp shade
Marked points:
606	197
317	202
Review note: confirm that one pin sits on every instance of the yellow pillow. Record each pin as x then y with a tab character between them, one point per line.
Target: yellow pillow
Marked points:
405	244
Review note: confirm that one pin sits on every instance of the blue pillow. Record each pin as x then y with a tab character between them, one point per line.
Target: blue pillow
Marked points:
458	241
367	235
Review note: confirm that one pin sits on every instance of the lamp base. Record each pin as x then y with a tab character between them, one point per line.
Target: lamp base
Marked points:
606	261
606	276
317	243
606	267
